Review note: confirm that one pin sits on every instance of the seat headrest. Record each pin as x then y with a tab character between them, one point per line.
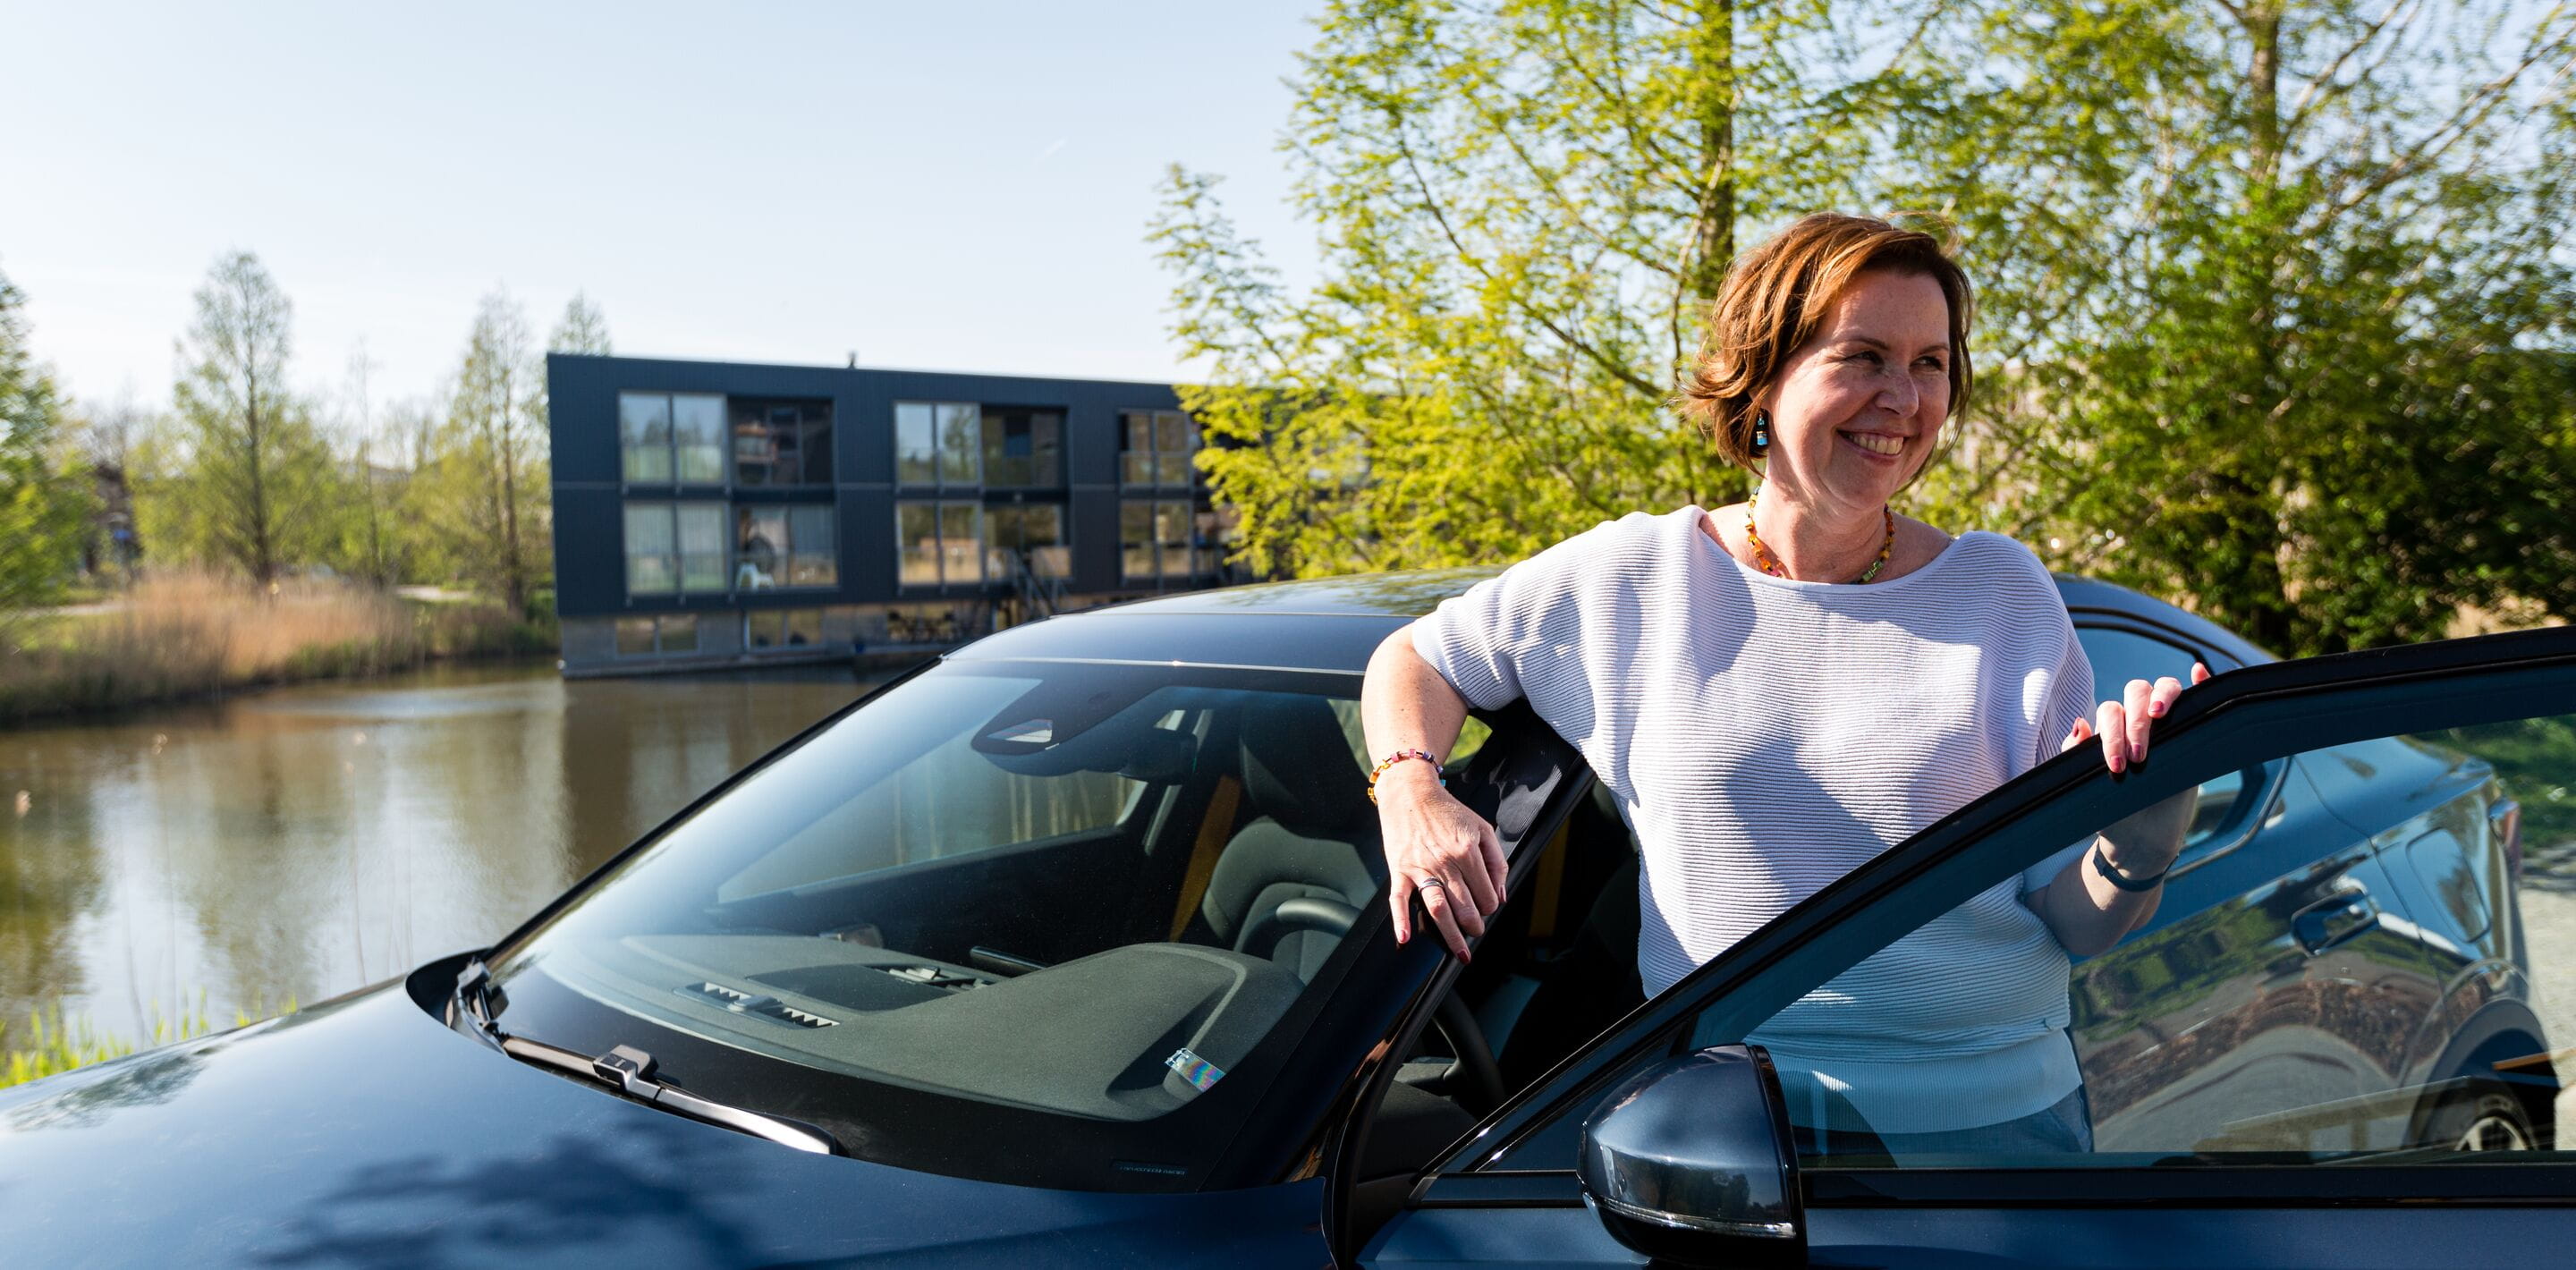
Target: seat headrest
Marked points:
1297	765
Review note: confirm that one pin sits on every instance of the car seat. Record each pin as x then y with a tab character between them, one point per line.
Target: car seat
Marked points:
1313	836
1592	980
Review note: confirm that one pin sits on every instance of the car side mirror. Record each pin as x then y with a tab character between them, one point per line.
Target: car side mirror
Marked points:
1691	1163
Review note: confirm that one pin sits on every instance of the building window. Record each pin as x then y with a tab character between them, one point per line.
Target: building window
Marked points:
938	443
644	433
923	624
1154	447
941	544
672	437
1035	530
658	635
767	629
674	547
788	545
1023	448
779	441
678	632
1154	539
1216	534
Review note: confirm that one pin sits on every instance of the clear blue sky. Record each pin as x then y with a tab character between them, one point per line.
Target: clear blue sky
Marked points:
953	186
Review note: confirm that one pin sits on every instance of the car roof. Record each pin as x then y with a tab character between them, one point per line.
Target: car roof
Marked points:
1334	623
1402	593
2090	599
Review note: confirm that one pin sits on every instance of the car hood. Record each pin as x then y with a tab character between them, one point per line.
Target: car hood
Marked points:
364	1132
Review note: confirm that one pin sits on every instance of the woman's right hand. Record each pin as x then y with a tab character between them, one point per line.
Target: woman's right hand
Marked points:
1438	848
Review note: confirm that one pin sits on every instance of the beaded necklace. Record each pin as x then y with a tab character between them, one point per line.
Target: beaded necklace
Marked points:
1762	555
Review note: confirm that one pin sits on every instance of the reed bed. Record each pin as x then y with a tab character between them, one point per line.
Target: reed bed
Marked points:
175	636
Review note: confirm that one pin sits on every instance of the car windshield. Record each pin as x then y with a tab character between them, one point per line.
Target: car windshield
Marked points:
1042	922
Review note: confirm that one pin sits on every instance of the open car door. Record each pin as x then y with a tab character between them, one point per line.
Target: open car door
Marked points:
2348	1056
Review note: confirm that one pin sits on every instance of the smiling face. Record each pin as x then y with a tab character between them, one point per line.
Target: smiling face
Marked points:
1858	408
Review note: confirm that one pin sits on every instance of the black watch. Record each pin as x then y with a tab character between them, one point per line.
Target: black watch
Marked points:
2102	865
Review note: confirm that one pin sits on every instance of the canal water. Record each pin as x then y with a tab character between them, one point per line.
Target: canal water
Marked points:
300	842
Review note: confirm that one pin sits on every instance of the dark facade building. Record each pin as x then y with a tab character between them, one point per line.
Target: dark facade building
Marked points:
718	513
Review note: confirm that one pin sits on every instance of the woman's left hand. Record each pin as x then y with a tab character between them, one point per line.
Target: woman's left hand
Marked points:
2123	724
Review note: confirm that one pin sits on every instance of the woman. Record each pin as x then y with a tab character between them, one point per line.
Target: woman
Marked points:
1781	689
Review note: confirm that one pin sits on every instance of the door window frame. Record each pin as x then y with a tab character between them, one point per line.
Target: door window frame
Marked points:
2263	784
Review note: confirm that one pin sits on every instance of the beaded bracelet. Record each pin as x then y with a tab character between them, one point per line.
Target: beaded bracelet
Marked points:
1398	757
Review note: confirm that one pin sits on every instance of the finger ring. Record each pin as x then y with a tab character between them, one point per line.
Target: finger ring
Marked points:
1427	884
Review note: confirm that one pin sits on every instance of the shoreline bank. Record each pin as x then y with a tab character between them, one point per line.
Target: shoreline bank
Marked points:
185	639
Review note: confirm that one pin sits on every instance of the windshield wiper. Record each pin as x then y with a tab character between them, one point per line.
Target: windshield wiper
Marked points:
469	1002
629	1071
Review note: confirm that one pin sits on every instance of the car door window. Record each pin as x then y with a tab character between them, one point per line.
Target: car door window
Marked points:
2339	988
2227	802
1472	733
2382	972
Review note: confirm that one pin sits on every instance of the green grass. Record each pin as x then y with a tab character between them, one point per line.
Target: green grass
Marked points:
48	1045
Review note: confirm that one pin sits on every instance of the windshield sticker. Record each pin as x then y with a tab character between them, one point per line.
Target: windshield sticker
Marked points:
1194	1069
1033	732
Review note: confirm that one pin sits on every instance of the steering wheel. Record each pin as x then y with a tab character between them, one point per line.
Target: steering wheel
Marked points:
1456	1023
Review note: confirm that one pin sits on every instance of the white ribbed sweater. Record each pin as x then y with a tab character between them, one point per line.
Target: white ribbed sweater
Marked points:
1763	736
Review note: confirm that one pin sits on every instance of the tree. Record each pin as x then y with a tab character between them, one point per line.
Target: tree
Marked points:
486	483
251	483
106	437
584	329
42	501
1524	208
105	433
376	543
2280	293
2273	293
408	435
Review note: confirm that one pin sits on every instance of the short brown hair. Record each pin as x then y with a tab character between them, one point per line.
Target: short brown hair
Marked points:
1776	295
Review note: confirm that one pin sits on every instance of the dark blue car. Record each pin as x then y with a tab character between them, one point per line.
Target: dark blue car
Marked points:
1068	949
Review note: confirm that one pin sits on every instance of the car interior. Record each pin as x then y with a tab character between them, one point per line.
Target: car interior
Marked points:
1556	967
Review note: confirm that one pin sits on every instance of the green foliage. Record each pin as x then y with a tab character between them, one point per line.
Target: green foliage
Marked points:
2535	766
2273	296
1524	208
244	477
483	491
584	328
375	541
247	481
2280	300
42	495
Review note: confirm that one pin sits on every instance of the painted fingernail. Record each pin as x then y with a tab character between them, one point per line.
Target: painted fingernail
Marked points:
2156	709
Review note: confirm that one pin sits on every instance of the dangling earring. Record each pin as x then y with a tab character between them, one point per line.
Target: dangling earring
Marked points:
1761	431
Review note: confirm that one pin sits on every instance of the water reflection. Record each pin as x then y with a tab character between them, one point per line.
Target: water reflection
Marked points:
305	841
82	1099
